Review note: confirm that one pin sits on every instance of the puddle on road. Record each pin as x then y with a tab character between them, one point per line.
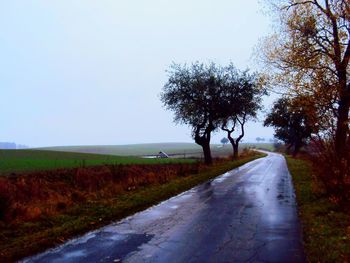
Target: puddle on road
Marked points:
111	245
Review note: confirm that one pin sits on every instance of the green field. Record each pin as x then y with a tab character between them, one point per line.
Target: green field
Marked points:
262	146
14	161
133	149
177	149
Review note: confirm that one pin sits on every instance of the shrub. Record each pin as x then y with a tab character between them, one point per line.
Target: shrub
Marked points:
4	204
29	196
5	190
332	171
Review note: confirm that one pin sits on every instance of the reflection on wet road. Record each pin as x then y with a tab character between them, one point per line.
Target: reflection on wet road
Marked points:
246	215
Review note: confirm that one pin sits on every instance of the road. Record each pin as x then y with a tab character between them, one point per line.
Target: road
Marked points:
246	215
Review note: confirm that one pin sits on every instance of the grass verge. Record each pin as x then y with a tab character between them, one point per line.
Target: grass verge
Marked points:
20	240
326	226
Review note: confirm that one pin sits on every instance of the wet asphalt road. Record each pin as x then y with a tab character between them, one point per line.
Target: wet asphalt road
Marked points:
246	215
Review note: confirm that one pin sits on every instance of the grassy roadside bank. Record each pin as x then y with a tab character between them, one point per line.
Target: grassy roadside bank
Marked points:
326	226
20	240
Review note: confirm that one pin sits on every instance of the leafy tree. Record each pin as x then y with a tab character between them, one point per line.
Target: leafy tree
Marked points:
311	52
207	97
241	99
224	141
292	125
193	94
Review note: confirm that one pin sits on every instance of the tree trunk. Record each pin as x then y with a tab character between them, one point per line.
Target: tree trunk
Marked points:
296	150
207	153
234	148
342	129
233	143
204	141
235	151
288	148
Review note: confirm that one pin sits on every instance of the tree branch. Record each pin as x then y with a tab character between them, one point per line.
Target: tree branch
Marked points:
224	127
346	58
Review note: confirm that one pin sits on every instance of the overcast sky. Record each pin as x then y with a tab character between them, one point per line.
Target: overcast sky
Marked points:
90	72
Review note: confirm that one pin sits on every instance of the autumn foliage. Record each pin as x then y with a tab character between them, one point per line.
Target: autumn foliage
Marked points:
309	56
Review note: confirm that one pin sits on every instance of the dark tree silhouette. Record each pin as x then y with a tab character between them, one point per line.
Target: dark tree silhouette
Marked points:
193	94
292	123
208	97
241	99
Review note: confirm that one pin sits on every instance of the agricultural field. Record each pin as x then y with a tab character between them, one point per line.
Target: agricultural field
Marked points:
132	149
15	161
262	146
181	150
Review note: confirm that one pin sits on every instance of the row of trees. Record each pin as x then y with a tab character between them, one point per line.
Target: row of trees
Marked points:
309	57
211	97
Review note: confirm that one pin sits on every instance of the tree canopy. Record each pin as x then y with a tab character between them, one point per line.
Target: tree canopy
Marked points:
208	97
193	94
292	123
241	99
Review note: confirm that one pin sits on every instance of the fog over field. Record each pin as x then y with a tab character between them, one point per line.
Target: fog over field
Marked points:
90	72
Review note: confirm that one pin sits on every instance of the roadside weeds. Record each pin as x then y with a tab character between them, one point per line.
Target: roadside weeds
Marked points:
27	238
326	225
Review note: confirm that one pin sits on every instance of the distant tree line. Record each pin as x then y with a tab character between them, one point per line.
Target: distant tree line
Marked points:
12	145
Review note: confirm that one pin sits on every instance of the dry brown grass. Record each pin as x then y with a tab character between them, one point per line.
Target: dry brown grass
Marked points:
32	195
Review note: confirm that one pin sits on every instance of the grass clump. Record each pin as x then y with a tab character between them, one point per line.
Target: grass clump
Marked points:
326	224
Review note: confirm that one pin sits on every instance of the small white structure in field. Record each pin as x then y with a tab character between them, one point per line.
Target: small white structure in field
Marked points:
162	155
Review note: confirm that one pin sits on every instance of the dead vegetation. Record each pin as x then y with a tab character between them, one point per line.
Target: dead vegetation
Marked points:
29	196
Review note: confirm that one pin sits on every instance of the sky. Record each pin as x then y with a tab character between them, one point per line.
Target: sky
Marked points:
88	72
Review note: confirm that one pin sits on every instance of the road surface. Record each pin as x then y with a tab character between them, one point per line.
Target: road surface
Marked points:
245	215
